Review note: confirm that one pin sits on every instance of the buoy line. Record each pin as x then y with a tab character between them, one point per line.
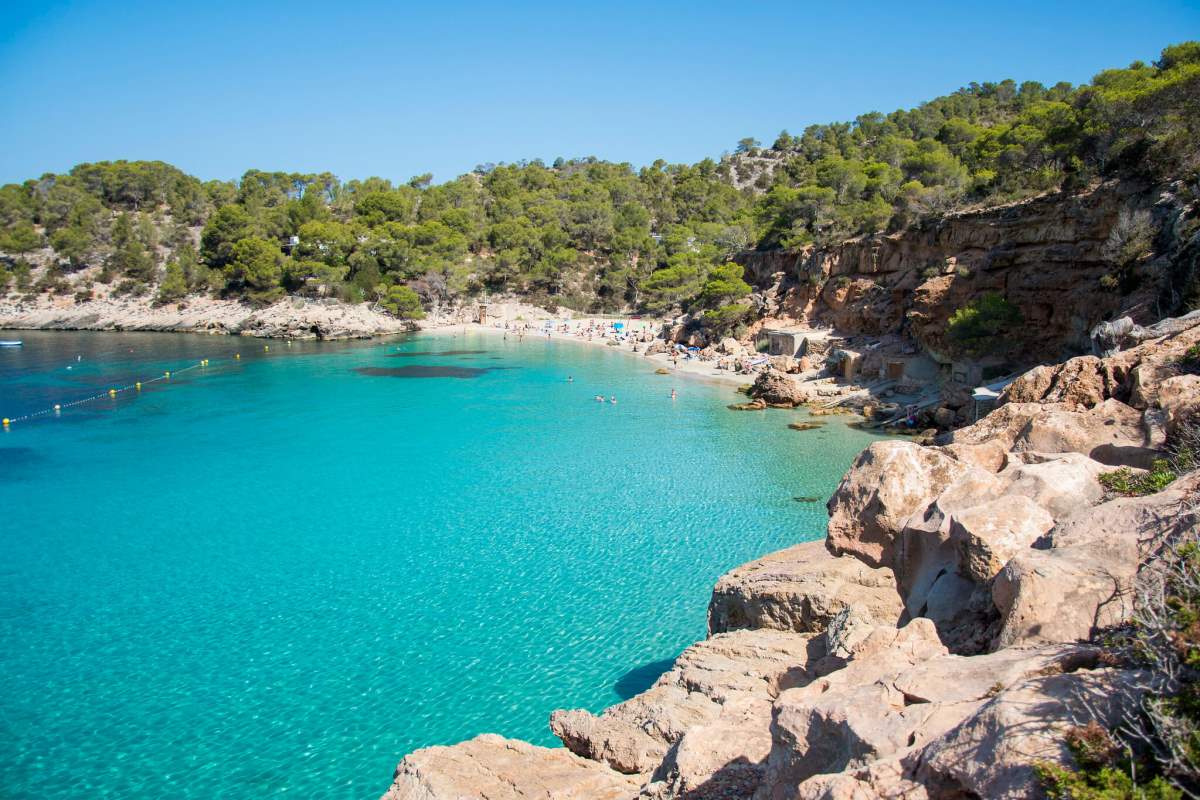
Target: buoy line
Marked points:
136	386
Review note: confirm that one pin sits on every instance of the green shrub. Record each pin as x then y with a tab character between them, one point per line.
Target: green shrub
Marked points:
1190	360
985	326
1104	772
1124	481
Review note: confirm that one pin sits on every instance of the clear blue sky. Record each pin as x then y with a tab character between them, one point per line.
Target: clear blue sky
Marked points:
396	89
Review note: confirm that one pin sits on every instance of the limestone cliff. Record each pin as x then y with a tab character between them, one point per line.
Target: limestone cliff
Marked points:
1066	261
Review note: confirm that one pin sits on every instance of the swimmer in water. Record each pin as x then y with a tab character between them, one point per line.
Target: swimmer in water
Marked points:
613	399
570	379
599	398
672	394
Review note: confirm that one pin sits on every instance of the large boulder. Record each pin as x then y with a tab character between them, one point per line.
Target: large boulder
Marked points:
1062	595
890	701
885	485
1179	399
777	389
1083	382
505	769
635	736
802	589
995	752
1061	483
986	536
1110	433
1085	580
730	347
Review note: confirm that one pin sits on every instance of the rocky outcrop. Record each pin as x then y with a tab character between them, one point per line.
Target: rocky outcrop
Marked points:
889	703
725	678
293	318
994	752
1135	376
887	483
1083	581
505	769
934	647
1046	255
776	389
802	589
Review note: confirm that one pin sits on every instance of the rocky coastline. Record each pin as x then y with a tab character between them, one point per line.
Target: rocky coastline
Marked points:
291	318
940	643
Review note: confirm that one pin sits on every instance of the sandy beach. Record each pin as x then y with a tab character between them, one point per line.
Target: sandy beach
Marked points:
631	344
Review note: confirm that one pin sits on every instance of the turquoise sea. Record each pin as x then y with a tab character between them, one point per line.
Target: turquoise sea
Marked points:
281	573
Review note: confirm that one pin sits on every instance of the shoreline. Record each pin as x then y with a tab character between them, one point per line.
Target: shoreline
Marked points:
694	369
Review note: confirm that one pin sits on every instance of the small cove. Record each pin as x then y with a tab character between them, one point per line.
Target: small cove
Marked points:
282	573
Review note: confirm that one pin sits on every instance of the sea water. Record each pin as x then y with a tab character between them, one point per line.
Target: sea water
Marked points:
281	572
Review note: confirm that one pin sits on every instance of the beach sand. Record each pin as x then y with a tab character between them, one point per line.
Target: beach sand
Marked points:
691	368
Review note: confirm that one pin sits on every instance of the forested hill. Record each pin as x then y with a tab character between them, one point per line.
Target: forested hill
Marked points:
592	234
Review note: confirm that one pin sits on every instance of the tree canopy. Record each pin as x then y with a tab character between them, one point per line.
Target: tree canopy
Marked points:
598	235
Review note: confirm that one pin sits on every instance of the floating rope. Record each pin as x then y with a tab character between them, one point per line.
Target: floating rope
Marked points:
110	394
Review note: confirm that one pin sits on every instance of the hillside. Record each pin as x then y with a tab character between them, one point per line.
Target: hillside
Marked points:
599	236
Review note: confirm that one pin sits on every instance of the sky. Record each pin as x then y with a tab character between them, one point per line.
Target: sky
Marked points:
397	89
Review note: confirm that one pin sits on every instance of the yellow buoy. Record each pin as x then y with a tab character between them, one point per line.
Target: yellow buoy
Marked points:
166	374
6	422
57	408
266	347
112	392
237	355
138	385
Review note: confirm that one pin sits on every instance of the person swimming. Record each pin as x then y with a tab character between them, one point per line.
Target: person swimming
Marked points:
570	379
672	394
599	398
613	399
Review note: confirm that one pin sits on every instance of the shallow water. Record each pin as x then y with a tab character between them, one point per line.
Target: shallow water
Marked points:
280	574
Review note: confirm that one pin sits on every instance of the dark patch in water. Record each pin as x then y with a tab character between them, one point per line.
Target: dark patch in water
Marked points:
414	353
807	499
422	371
639	679
16	461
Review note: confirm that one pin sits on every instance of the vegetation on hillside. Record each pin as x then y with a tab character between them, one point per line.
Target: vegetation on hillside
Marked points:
592	234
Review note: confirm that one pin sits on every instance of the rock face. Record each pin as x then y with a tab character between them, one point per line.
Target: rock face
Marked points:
802	589
505	769
1085	580
987	536
994	751
730	672
885	485
1046	255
